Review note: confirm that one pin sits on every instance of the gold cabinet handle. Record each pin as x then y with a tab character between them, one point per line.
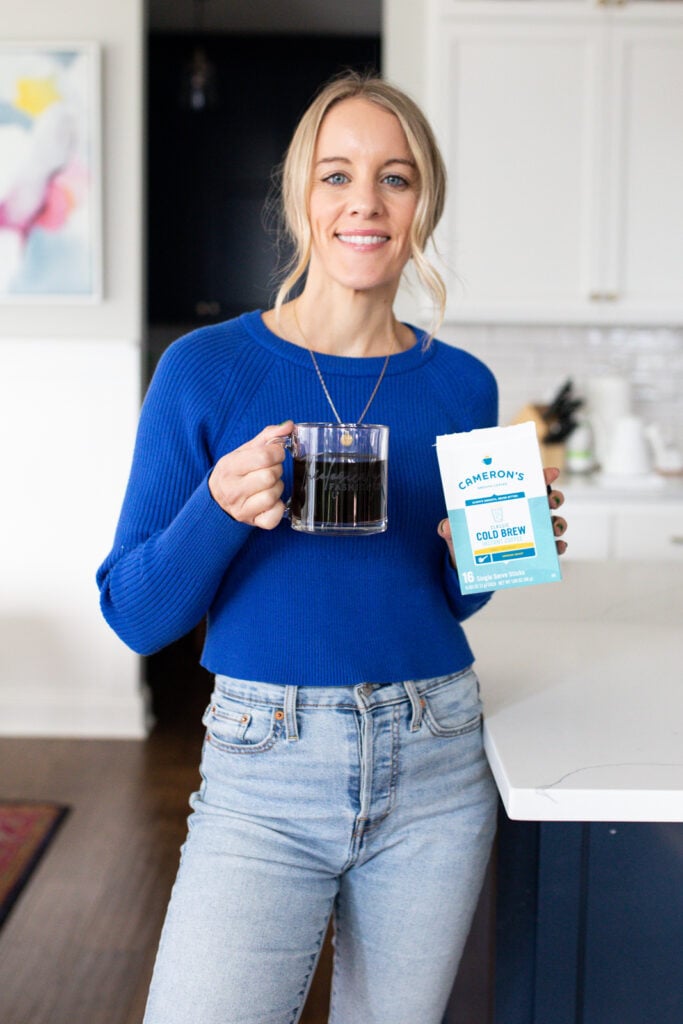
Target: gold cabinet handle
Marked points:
603	296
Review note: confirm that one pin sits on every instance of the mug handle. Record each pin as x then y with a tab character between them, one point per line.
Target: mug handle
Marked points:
286	442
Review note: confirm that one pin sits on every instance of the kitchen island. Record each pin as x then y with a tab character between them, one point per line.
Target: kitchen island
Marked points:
583	725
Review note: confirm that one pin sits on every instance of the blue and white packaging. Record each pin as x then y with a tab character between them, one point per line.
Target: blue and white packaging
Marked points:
497	504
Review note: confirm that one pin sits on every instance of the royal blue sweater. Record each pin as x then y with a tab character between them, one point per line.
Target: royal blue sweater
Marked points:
283	606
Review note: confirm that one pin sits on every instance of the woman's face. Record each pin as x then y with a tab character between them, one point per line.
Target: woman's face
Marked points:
364	191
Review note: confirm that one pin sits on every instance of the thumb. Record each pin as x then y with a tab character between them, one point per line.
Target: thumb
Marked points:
444	531
273	431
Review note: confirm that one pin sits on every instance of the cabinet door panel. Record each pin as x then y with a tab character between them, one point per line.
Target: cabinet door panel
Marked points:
516	122
655	533
562	132
631	969
589	923
649	66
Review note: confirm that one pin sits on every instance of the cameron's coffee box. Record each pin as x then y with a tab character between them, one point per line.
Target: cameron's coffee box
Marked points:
497	504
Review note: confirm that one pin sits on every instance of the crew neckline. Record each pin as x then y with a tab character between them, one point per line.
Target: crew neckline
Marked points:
360	366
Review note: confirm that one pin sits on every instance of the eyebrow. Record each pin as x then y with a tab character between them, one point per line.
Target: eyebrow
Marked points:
345	160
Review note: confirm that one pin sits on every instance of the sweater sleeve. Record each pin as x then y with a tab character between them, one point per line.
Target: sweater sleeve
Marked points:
462	605
173	542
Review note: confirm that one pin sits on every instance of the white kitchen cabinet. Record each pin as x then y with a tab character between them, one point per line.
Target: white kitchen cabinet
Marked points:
562	129
652	533
605	525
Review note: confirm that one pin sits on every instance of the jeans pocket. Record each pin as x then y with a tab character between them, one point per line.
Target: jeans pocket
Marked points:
453	707
239	727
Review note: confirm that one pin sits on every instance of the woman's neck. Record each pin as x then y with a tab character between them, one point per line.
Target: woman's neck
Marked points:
346	324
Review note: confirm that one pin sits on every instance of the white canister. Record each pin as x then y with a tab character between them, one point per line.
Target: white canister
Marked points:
607	400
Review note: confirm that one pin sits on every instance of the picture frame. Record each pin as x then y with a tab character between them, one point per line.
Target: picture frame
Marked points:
50	173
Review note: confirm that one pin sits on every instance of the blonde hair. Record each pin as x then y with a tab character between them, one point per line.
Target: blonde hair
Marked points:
297	168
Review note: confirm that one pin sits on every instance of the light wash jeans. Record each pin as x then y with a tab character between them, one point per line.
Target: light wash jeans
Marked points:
372	803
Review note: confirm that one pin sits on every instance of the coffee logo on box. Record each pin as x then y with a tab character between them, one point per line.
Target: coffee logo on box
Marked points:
490	474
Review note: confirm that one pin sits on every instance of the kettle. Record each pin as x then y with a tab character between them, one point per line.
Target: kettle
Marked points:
628	451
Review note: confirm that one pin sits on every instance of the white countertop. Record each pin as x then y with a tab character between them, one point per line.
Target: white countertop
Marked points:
582	683
597	488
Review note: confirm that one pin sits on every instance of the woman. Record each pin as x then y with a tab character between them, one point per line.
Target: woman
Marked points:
343	771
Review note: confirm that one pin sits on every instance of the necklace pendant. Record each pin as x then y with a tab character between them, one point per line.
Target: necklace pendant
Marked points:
346	439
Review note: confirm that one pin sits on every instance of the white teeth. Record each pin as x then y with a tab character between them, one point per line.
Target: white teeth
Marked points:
363	239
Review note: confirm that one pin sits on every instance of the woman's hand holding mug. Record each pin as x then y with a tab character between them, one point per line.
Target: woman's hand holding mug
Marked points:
247	482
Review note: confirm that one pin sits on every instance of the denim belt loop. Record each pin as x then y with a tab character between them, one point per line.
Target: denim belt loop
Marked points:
291	731
416	703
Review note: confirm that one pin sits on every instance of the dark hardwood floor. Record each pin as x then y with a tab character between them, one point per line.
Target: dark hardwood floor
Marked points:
79	945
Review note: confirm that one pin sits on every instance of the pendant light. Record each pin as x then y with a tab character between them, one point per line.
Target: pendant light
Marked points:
198	82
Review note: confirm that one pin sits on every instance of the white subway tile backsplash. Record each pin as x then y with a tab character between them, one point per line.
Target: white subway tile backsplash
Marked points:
531	362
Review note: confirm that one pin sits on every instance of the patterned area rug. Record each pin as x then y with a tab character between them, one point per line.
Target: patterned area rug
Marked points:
26	829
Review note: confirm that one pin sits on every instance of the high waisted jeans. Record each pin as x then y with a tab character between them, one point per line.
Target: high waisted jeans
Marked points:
371	803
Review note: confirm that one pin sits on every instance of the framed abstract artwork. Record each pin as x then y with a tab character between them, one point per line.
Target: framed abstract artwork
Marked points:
50	173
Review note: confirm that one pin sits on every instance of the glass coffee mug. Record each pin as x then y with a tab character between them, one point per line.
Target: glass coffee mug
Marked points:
340	478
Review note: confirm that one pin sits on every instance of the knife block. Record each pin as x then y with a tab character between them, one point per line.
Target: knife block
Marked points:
551	454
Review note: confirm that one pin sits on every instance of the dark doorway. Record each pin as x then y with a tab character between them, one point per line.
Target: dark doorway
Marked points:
211	253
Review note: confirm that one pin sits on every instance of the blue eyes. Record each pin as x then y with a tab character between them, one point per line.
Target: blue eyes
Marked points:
395	180
392	180
336	179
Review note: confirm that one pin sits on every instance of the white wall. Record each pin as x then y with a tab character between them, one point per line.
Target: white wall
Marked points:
69	398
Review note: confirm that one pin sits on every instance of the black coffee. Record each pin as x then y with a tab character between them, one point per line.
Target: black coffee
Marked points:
338	490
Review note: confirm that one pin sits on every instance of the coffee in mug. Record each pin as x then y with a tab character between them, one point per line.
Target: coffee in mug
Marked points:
340	478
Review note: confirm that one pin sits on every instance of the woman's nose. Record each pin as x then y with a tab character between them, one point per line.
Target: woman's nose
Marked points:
365	200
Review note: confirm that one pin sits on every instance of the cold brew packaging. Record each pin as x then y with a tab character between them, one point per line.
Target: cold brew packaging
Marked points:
497	504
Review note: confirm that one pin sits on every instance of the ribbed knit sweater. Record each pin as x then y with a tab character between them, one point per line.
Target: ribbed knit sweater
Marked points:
283	606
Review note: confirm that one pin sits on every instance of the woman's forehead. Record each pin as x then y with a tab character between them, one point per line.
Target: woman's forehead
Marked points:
358	125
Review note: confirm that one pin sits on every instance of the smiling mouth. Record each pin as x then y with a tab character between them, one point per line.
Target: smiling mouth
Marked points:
363	239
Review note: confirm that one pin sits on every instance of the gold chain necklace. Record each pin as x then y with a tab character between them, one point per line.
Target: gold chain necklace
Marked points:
324	385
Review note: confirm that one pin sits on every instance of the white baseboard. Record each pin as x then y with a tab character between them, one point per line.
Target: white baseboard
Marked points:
63	714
